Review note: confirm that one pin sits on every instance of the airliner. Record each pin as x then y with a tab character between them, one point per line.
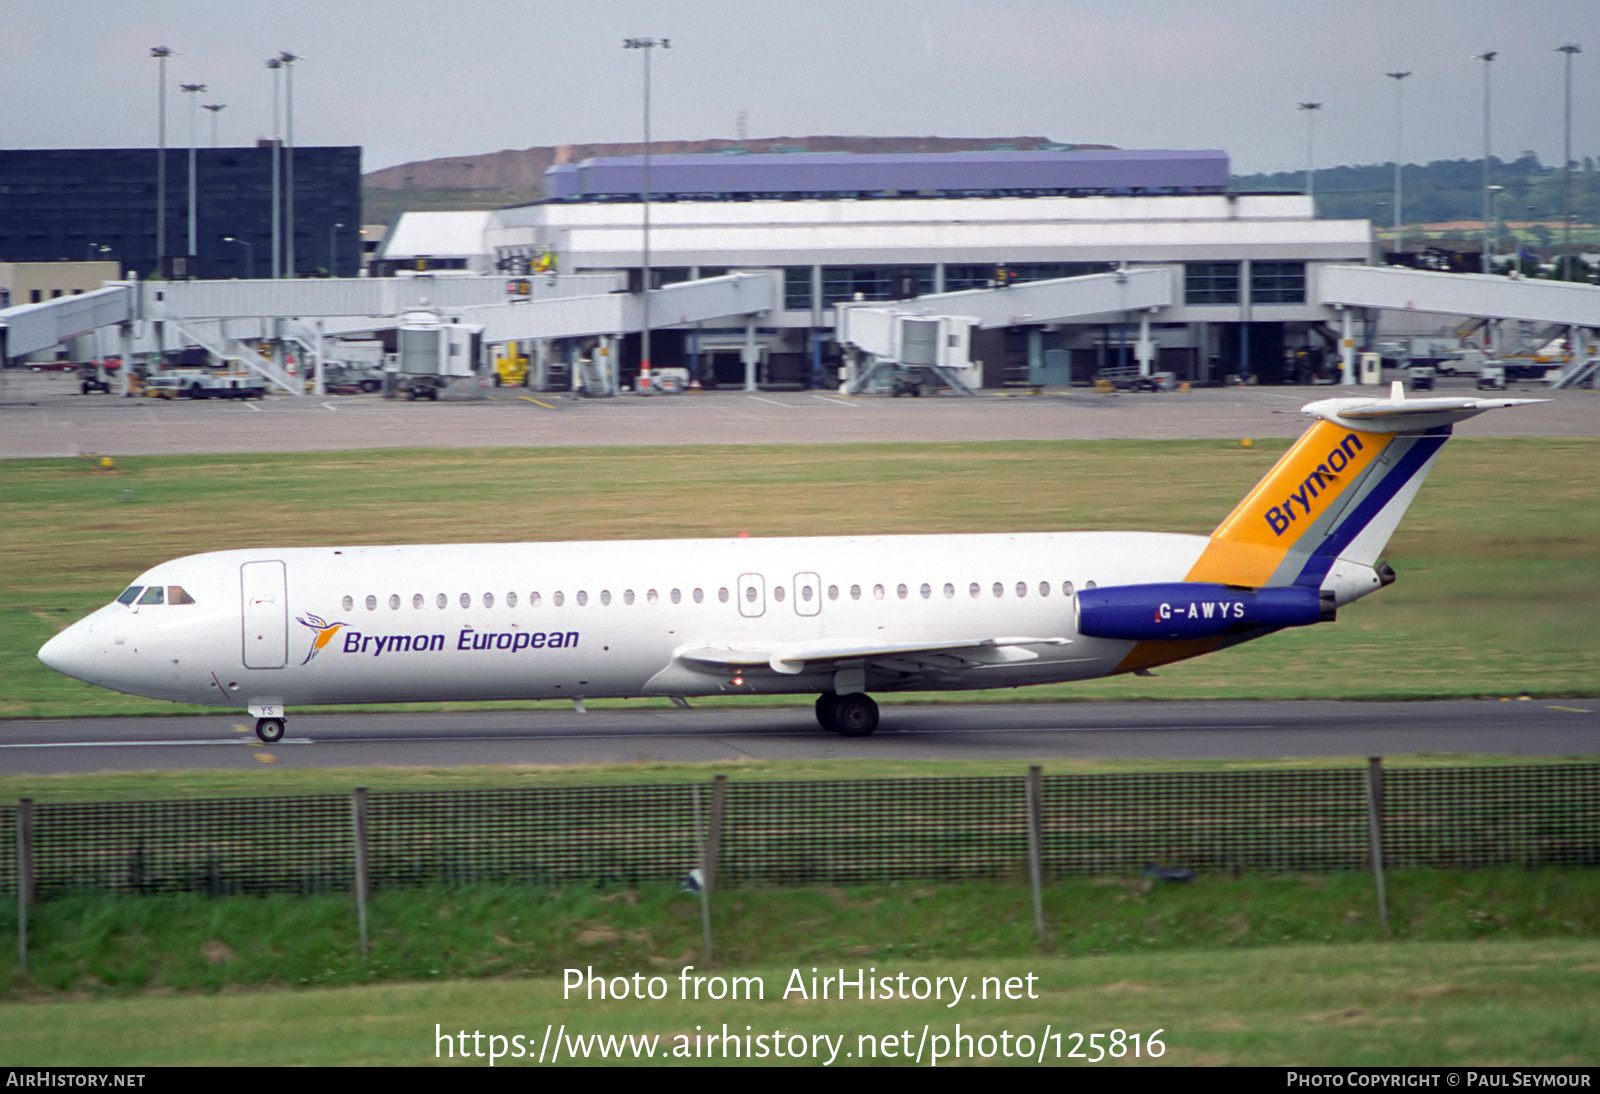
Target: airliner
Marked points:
838	617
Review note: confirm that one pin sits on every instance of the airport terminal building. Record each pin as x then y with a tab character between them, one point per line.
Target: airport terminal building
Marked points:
844	228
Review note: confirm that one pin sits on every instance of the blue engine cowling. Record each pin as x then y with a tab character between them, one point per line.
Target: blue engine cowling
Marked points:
1186	609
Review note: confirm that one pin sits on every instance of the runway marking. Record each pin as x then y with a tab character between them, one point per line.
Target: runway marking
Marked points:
531	399
837	402
769	402
330	406
150	744
1574	710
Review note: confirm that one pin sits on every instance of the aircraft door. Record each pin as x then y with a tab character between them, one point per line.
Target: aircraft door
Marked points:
752	595
264	610
807	594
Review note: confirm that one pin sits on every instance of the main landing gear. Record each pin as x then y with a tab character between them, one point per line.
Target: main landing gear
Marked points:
270	730
847	715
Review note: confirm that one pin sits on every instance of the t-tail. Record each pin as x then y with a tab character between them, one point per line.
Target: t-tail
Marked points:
1322	516
1306	541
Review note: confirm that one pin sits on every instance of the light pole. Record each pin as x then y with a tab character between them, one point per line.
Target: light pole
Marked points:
1399	143
1566	161
161	53
249	254
332	253
288	59
1310	112
1487	59
277	199
215	108
1494	190
194	122
645	44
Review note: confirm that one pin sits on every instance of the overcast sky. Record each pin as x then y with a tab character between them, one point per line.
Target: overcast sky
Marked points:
416	79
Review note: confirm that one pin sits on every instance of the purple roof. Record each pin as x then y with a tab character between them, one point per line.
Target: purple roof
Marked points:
817	172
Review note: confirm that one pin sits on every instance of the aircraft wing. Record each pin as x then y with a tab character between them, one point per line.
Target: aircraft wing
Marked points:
792	659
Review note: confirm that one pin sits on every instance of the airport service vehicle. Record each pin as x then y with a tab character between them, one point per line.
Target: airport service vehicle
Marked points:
197	383
270	628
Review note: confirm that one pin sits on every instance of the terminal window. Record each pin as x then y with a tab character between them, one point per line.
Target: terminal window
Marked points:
1211	282
1278	282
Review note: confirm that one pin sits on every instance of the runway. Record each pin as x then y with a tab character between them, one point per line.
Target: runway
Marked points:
1019	732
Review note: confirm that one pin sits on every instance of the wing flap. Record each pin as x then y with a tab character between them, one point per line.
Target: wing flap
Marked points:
792	659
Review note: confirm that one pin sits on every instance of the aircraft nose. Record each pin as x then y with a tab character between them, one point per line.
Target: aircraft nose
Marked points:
70	653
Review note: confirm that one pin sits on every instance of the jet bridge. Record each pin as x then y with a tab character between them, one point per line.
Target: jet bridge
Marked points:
223	316
1491	296
893	337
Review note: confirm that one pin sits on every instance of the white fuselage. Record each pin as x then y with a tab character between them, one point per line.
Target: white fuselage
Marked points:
302	626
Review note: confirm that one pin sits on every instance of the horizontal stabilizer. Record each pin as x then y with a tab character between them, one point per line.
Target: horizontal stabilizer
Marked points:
1397	414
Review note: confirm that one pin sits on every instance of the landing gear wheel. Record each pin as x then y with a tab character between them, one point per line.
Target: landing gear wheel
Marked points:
854	715
270	730
825	704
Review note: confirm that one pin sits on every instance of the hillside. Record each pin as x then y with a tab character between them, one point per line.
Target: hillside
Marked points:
516	176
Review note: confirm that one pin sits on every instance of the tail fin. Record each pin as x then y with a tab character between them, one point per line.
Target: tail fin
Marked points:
1338	493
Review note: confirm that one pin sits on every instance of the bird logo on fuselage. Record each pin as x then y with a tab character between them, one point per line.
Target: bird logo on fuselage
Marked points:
325	632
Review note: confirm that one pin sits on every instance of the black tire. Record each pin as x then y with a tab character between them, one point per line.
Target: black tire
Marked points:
270	730
825	703
854	715
369	386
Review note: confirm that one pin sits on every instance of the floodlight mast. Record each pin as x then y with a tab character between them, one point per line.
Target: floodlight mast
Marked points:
647	45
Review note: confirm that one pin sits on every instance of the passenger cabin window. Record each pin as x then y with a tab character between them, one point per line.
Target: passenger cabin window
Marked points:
394	602
855	592
488	600
833	592
926	590
651	597
999	589
1022	588
557	598
722	595
442	601
372	603
511	600
347	603
676	596
699	596
466	600
533	600
627	596
605	596
131	593
900	591
583	597
975	590
777	592
949	591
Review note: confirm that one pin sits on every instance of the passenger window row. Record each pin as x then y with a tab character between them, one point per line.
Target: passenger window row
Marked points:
558	598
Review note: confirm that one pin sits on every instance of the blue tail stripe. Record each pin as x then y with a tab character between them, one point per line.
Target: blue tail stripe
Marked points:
1317	566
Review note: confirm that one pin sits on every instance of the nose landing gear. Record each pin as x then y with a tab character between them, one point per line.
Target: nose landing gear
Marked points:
270	730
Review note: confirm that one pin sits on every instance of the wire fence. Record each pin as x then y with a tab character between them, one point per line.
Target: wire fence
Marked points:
822	832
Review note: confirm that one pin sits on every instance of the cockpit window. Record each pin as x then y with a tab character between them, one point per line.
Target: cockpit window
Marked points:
176	594
153	595
130	594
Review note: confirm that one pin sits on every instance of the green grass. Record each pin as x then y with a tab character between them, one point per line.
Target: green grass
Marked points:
276	780
1499	558
1490	966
